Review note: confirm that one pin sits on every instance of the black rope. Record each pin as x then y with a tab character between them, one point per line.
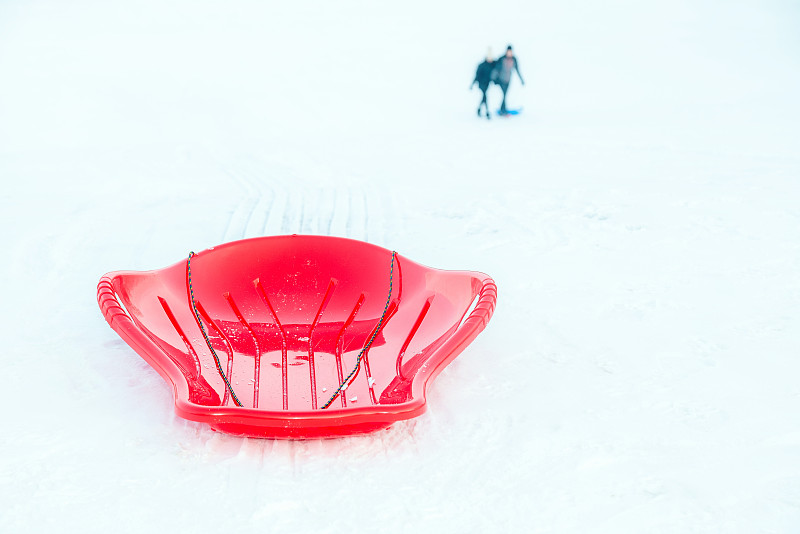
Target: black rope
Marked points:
203	330
345	383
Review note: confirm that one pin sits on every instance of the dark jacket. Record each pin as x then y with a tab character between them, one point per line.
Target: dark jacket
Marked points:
483	76
504	68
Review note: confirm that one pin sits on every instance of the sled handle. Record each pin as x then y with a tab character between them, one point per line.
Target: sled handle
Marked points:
107	299
484	308
466	332
122	323
120	320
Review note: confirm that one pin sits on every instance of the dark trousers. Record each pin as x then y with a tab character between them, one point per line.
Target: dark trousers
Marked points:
504	87
484	103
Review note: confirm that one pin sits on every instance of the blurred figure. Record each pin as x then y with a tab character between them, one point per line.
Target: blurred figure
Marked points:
504	68
483	77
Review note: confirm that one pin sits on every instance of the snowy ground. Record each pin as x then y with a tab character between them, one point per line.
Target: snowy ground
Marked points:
641	219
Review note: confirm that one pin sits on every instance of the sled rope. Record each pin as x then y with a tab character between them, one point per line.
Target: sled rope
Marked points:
346	382
203	330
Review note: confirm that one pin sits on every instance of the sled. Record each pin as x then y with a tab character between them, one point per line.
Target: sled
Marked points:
297	336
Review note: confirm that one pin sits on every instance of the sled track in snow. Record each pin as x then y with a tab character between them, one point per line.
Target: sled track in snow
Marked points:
267	207
242	215
273	219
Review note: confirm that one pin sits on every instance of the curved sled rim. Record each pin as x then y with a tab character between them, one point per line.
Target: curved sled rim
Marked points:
335	421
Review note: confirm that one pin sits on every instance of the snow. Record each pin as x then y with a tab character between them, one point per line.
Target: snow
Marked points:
640	218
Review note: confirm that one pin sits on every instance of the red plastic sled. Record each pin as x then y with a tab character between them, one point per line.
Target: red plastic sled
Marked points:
288	317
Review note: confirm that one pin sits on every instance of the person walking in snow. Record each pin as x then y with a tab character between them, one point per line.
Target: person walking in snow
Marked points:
483	77
504	68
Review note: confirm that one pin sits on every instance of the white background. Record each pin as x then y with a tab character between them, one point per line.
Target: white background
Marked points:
641	219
